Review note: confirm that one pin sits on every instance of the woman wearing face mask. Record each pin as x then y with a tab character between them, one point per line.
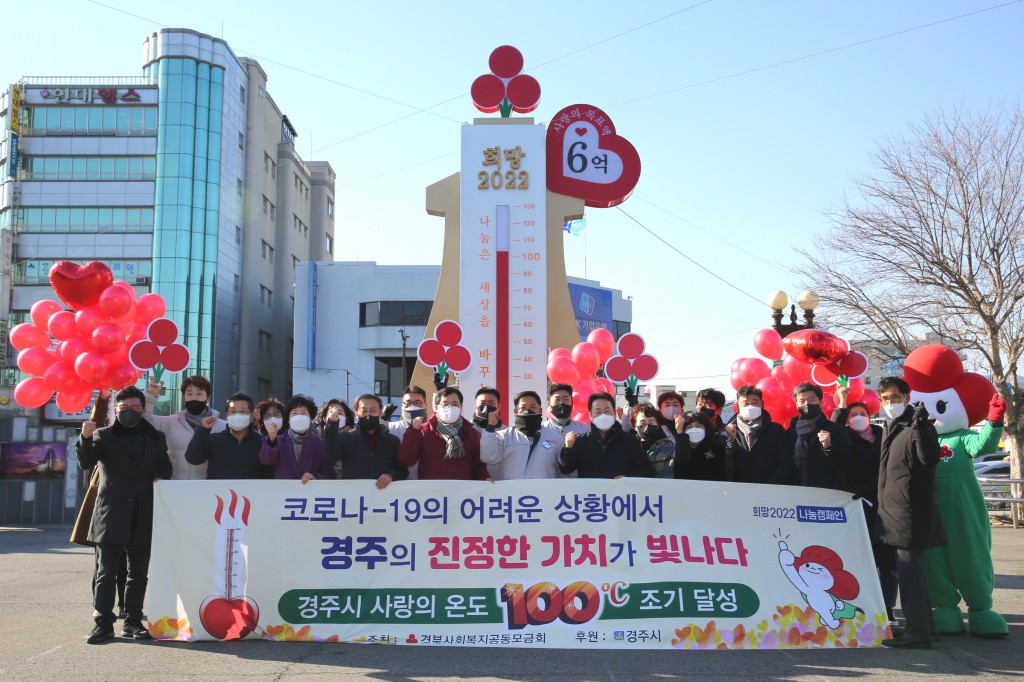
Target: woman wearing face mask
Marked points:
862	480
666	455
297	451
179	427
346	417
446	446
270	410
758	447
707	450
606	451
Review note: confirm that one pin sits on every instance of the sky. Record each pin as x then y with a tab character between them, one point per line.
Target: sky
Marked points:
751	119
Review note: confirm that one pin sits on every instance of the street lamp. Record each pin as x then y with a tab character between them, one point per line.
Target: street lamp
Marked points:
778	300
405	339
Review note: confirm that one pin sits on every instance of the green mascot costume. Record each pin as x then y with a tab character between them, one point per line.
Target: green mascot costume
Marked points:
962	569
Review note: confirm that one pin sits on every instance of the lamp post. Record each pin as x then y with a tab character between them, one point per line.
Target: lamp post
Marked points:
778	300
405	339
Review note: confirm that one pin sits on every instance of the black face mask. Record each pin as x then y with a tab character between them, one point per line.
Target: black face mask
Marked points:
195	407
129	418
368	423
648	432
708	412
480	418
561	410
410	413
529	423
810	411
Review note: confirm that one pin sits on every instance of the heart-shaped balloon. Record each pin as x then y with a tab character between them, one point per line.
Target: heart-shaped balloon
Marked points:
229	618
80	286
815	346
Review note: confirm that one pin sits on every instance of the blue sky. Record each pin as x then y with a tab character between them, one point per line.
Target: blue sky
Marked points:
751	118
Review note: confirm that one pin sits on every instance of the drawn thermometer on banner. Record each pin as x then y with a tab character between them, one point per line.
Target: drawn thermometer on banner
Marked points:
228	613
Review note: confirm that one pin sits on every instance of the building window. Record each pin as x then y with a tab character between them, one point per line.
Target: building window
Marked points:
234	381
273	212
621	328
238	234
295	261
37	270
330	244
388	377
265	338
261	91
268	252
238	282
120	120
88	168
241	140
234	331
330	208
240	187
241	94
266	295
266	204
394	313
85	220
273	170
262	388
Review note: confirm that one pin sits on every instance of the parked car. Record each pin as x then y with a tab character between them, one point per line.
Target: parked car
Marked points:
990	470
994	457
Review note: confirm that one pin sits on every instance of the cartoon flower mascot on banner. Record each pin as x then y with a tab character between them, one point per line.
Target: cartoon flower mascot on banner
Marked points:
963	569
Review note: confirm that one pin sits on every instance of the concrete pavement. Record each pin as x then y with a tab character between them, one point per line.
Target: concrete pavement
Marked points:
45	615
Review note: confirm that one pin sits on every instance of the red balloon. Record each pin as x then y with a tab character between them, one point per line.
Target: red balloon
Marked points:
62	325
431	352
127	321
70	349
779	372
150	306
91	367
144	354
604	385
645	367
87	319
559	353
785	410
116	301
768	343
798	370
735	367
604	341
126	286
33	392
585	388
27	335
175	357
773	389
854	364
74	401
582	416
618	368
828	404
856	390
458	358
42	311
449	333
870	398
753	370
60	374
587	358
36	361
562	370
736	381
815	346
123	375
825	375
108	337
80	286
162	332
631	346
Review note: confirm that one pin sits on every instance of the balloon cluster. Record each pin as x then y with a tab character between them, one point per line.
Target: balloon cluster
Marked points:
578	368
77	351
808	355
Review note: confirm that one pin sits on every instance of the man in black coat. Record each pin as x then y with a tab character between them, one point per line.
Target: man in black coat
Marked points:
756	447
368	451
907	517
606	451
132	456
234	453
820	449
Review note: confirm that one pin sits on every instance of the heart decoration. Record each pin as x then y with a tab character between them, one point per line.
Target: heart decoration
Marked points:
228	619
595	164
815	346
80	286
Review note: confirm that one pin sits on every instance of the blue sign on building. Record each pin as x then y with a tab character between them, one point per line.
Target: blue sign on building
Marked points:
13	154
592	308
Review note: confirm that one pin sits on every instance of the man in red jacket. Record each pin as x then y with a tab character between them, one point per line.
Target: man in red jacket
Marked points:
446	446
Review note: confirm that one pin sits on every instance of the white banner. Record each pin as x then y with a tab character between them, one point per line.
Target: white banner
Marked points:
569	563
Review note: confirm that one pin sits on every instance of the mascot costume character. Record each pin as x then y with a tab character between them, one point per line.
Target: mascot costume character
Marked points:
963	569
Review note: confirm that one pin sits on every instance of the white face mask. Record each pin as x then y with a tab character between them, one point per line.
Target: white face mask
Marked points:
238	422
750	412
298	423
449	414
341	420
696	435
276	421
671	412
859	423
603	421
893	410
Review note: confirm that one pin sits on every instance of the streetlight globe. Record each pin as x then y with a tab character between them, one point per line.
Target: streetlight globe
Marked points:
808	300
777	300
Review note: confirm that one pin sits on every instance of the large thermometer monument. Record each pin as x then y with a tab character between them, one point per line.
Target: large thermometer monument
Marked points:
503	270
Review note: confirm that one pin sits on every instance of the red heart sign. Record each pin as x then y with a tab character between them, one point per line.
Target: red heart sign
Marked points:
595	164
80	286
815	346
229	618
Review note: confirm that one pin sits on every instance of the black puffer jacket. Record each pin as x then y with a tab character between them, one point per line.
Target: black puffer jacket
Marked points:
824	467
768	461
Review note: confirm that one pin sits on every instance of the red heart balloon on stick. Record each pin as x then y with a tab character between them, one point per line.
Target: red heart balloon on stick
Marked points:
815	346
80	286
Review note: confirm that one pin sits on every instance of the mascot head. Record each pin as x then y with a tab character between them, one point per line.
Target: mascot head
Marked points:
955	399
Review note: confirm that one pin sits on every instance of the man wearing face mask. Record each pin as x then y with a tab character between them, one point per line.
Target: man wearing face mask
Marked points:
487	410
667	456
820	448
710	402
529	450
446	446
370	451
606	451
907	516
131	456
180	426
231	454
560	407
414	404
756	447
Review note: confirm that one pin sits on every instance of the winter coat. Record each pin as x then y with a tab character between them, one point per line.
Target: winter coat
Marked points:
179	434
280	455
669	456
128	460
358	462
562	429
865	455
907	515
825	467
617	454
511	455
427	447
707	460
227	458
769	461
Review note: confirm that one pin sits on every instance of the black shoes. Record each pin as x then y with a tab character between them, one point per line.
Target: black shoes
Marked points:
908	640
102	632
134	629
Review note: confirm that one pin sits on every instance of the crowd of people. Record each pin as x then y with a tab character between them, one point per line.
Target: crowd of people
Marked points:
890	466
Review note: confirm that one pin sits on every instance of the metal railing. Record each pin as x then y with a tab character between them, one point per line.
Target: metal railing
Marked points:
85	80
995	498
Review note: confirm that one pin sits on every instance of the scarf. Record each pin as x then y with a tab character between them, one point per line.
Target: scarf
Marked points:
804	427
750	430
195	421
453	447
297	439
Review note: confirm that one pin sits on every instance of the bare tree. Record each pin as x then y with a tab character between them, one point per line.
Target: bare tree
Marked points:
935	243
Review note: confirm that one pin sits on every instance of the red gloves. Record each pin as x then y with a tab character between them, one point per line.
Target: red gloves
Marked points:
996	409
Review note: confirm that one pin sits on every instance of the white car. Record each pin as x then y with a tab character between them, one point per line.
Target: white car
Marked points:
991	470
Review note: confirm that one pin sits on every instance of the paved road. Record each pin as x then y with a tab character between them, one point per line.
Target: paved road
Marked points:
45	615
